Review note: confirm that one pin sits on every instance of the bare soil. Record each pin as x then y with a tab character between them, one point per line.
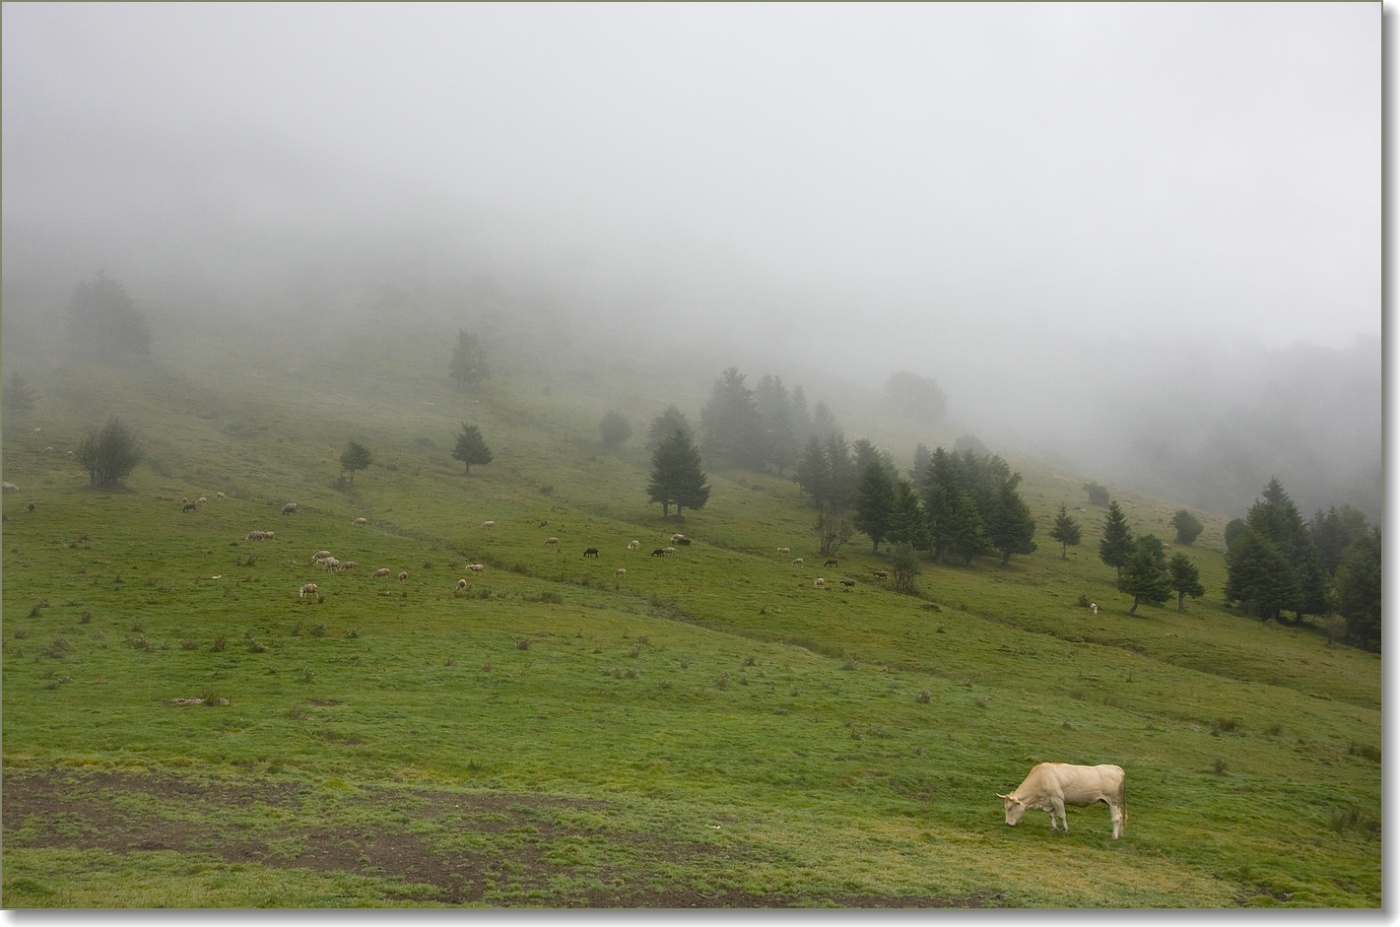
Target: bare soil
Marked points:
125	813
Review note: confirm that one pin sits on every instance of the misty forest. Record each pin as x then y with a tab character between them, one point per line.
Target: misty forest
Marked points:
372	544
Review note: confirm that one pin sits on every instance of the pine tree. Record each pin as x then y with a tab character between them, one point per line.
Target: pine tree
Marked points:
1117	544
356	457
676	477
1066	531
965	531
874	503
468	361
1360	577
730	427
1010	527
1260	577
1185	580
1143	579
1275	518
471	448
671	420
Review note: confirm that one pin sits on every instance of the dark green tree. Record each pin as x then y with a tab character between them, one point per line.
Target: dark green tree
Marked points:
874	503
1260	577
666	424
103	321
1143	579
1333	532
1098	495
471	448
965	533
923	459
1117	544
1275	518
813	472
1360	577
1234	530
614	429
908	525
676	476
1066	531
780	438
19	397
730	427
1185	580
1009	525
468	361
356	457
1188	527
841	472
109	454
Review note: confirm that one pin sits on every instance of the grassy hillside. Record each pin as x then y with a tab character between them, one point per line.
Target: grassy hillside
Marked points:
707	730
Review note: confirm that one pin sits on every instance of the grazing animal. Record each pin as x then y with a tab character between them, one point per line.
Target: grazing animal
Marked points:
677	538
31	506
848	583
219	496
403	577
49	449
544	522
620	571
797	562
881	574
308	589
590	552
659	552
381	573
320	555
348	565
633	545
330	565
831	562
188	506
201	501
289	509
488	524
9	487
1094	607
818	583
253	536
1051	786
476	567
669	550
360	521
551	541
461	584
784	550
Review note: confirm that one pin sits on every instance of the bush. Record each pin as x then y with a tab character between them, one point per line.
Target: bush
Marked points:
109	454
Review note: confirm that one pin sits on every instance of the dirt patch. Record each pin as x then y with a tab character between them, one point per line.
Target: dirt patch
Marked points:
434	846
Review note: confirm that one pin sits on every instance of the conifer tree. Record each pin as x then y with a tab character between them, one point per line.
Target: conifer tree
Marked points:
1143	579
471	448
676	476
1066	531
874	503
1117	544
1185	580
356	457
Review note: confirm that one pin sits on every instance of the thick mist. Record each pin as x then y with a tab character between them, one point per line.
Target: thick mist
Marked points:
1140	239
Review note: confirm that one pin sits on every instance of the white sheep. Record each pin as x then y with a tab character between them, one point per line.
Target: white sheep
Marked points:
1094	607
320	555
633	545
289	509
461	585
8	487
330	565
784	550
219	495
476	567
551	541
797	562
818	583
488	524
381	573
348	565
403	577
360	521
308	589
620	571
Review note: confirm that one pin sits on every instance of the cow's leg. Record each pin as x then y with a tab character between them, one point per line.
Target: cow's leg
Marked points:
1116	813
1057	809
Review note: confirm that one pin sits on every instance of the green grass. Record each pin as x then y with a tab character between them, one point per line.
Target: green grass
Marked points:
708	728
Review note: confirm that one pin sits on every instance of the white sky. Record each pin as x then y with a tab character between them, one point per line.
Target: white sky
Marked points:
1106	168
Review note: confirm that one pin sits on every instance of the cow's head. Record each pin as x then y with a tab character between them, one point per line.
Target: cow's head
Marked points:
1014	808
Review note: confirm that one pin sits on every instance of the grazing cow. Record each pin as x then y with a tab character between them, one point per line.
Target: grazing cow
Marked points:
488	524
620	571
819	583
1094	607
381	573
659	552
360	521
308	589
633	545
289	509
797	562
403	577
551	541
590	552
784	550
1051	786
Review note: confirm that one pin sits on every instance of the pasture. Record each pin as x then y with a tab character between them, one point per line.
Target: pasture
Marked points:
706	730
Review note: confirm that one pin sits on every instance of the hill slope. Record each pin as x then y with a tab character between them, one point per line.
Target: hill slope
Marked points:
705	729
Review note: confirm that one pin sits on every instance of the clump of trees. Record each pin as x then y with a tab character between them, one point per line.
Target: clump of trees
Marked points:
471	448
103	321
109	454
759	427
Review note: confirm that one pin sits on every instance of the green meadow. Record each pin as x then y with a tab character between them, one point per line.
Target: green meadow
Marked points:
706	729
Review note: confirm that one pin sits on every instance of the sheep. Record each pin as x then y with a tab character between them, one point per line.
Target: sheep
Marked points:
620	571
677	538
848	583
219	495
668	550
360	522
320	555
476	567
308	589
189	506
403	577
461	585
1094	607
633	545
381	573
659	552
797	562
551	541
784	550
254	536
818	583
590	552
881	574
330	565
8	487
49	449
201	501
289	509
348	565
488	524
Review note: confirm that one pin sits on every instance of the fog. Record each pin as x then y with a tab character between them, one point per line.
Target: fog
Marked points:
1070	215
